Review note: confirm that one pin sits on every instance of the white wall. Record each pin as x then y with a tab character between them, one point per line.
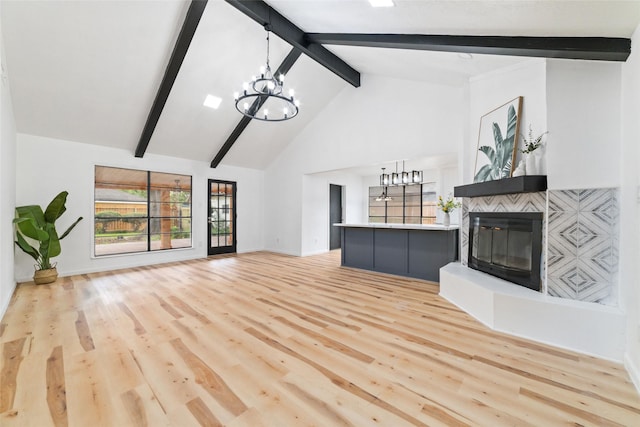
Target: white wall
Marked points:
578	102
7	186
73	170
315	207
383	120
630	207
583	118
491	90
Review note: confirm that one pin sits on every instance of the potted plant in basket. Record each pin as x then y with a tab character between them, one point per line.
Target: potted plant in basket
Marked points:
447	206
34	224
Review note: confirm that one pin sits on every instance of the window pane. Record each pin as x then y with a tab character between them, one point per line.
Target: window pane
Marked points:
412	211
120	210
376	211
110	243
374	202
395	211
125	199
375	191
412	200
170	233
413	190
429	200
396	193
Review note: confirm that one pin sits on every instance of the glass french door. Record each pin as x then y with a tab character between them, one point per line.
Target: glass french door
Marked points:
222	217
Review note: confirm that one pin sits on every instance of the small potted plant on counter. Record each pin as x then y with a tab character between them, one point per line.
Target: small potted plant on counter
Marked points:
38	226
447	206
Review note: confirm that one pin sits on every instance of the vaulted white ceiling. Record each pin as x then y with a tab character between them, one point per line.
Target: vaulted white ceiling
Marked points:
88	71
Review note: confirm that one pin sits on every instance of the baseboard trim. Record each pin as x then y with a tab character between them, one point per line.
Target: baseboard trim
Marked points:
633	370
5	306
101	269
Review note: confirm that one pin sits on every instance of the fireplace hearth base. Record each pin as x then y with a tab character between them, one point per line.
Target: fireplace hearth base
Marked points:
575	325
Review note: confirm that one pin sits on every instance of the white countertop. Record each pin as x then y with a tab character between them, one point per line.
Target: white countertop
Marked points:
439	227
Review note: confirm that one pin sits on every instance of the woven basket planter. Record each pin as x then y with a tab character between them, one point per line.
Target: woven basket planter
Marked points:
41	277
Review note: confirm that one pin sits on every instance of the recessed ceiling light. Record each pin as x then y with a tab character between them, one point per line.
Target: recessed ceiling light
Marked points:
381	3
212	102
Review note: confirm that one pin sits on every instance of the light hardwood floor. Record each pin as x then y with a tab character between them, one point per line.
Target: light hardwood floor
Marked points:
265	339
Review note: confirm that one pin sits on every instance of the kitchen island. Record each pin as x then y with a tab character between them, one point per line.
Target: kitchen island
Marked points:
410	250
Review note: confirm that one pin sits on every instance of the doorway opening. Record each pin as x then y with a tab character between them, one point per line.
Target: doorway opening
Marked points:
335	215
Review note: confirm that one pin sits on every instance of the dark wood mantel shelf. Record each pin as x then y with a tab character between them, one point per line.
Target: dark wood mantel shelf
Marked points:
518	184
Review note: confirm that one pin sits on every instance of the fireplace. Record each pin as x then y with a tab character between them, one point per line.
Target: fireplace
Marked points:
507	245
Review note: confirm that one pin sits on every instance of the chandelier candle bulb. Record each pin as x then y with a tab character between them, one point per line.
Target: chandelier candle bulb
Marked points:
236	95
384	178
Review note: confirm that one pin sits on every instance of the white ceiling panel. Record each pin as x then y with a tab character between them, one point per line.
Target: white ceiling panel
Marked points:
88	71
604	18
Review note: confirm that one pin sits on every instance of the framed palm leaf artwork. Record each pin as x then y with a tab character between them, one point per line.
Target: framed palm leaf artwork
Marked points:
497	142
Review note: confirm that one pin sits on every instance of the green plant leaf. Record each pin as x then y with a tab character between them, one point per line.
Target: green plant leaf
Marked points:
70	228
499	143
489	152
56	208
54	241
509	141
29	228
483	174
512	121
26	247
31	211
506	169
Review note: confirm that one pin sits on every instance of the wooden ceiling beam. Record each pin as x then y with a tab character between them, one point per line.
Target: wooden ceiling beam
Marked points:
196	9
264	14
587	48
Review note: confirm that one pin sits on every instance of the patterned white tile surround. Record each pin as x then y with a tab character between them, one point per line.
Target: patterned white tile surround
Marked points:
580	257
583	245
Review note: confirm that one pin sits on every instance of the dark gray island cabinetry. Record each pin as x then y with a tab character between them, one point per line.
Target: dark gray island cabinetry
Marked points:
403	249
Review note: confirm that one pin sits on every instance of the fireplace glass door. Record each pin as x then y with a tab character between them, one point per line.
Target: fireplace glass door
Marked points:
507	245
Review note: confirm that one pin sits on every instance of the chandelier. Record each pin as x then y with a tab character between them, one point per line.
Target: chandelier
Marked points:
400	178
263	98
